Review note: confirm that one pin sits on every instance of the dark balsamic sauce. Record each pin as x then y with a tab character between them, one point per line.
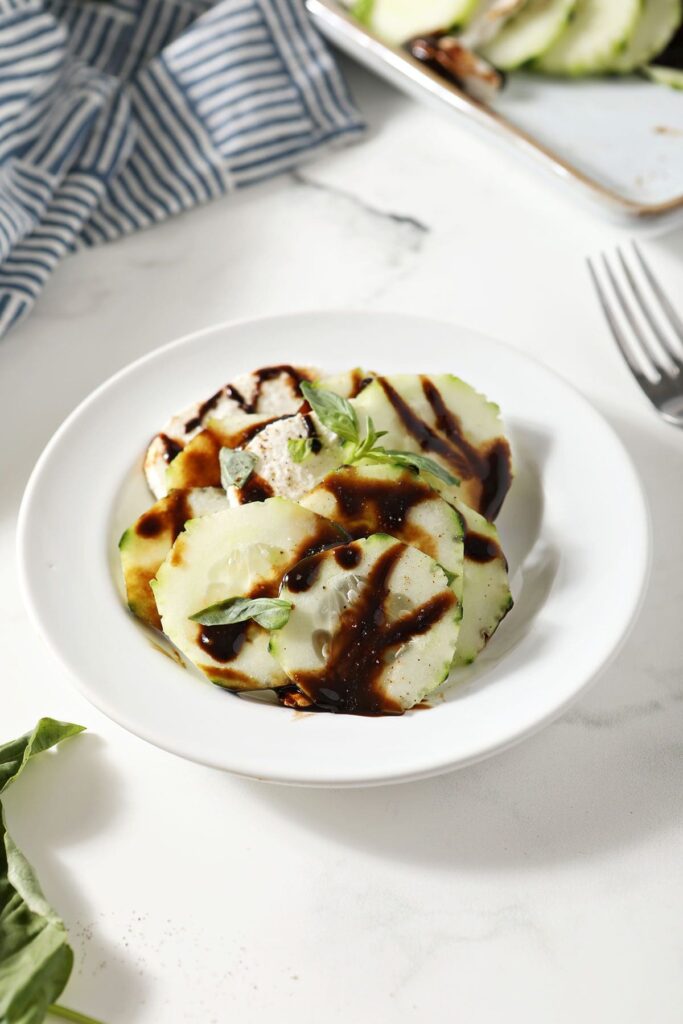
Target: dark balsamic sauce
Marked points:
294	375
302	577
170	518
312	433
368	506
349	681
496	483
224	643
171	448
479	548
348	556
230	391
249	433
490	467
200	465
203	410
255	489
358	383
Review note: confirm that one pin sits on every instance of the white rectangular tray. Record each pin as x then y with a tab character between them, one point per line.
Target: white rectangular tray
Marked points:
619	141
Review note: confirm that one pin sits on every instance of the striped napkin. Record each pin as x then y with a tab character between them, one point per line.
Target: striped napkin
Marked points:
115	114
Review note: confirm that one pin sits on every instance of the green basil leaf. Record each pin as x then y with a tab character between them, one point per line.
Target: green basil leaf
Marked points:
335	412
35	957
269	612
14	756
77	1018
409	460
236	468
300	448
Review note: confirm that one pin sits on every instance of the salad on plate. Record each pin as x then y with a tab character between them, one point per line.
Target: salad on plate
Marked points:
329	539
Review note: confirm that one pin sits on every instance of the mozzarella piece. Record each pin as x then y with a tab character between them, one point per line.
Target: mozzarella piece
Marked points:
276	472
273	391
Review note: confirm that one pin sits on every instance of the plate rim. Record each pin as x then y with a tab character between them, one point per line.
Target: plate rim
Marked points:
378	778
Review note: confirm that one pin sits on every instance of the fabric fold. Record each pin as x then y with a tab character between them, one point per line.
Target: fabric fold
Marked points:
116	115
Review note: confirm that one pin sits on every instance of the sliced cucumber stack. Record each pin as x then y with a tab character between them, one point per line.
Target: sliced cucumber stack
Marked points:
529	34
373	627
671	77
654	30
396	21
597	33
444	418
381	499
145	544
241	552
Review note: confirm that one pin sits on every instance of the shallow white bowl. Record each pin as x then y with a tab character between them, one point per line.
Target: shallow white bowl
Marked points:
575	528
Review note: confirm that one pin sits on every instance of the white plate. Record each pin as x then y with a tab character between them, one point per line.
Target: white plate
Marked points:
575	528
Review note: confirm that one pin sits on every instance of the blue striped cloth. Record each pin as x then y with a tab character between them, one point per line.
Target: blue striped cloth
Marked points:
114	115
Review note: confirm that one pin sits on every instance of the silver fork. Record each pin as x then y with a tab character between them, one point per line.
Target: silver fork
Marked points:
645	326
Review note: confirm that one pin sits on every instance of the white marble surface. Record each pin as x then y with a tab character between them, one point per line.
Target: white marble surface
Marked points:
542	885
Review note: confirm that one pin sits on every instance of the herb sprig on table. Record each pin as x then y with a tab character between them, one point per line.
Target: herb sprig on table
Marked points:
35	956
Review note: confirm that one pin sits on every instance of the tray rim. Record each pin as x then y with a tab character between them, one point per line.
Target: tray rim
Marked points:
342	28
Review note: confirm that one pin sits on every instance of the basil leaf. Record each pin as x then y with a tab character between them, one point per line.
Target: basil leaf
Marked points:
14	756
236	467
335	412
409	460
269	612
35	957
72	1015
300	448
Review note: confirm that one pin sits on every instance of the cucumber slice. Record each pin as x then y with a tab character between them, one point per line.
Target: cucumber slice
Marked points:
347	384
373	627
197	464
655	29
672	77
381	499
146	543
486	597
443	417
397	21
241	552
529	34
597	32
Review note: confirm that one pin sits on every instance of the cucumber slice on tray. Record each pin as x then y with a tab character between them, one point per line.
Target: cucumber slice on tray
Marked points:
396	21
373	627
671	77
241	552
529	34
655	29
598	31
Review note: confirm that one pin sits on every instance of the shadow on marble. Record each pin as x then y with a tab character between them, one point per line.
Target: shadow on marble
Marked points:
607	775
73	794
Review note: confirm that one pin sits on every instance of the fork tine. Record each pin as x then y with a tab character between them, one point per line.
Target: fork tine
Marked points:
646	310
639	338
615	327
671	313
